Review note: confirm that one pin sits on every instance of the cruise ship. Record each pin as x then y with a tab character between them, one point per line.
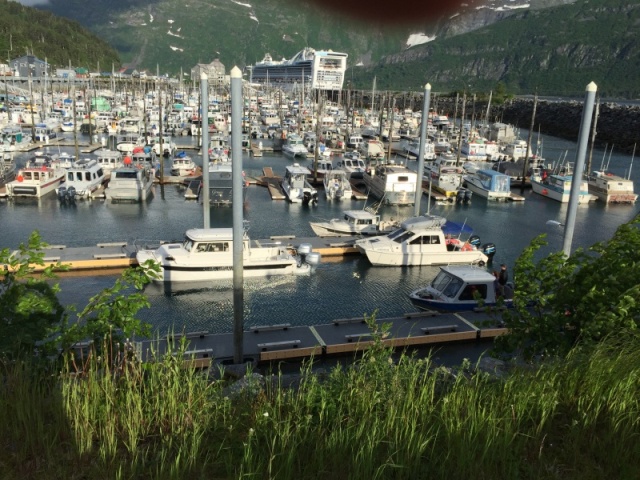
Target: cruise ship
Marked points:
317	69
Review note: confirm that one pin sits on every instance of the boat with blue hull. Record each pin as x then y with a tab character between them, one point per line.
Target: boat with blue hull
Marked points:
458	288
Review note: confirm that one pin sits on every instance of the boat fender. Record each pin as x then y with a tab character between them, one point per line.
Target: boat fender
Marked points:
20	178
481	263
466	247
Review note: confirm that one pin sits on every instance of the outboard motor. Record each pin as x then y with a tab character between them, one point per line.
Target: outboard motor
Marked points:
460	196
306	198
467	195
62	193
308	256
314	198
71	194
489	249
474	240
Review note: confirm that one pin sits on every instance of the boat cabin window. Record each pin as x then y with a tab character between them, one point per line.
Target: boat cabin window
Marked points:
403	237
213	247
403	178
452	289
132	174
426	240
365	221
470	292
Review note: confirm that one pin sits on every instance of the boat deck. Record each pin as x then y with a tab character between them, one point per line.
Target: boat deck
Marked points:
341	336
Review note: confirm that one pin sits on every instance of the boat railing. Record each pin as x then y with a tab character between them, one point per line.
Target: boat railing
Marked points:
147	244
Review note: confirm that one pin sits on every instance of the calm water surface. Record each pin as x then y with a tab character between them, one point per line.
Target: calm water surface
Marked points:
339	288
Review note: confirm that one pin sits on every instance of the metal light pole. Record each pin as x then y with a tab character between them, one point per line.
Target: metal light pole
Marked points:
576	178
423	139
204	131
237	206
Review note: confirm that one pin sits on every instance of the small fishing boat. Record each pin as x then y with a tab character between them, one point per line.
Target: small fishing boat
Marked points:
182	165
461	287
337	185
296	186
354	222
207	254
425	240
85	176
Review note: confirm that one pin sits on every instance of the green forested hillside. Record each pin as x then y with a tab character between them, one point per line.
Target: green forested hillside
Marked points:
59	40
556	51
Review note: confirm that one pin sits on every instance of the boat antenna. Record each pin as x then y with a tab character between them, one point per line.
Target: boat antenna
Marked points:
631	164
603	157
463	225
609	160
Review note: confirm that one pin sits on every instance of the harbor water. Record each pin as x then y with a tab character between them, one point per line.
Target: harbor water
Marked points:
341	287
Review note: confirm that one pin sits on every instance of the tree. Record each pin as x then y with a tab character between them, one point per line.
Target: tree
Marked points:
32	317
29	307
562	302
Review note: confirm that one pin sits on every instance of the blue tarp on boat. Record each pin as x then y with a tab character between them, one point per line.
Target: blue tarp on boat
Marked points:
453	228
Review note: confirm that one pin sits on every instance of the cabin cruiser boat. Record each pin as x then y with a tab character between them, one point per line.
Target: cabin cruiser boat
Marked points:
489	184
83	178
337	185
221	184
294	147
557	186
411	148
128	142
7	168
296	186
324	166
108	159
182	165
168	146
207	254
354	222
36	180
424	240
129	184
352	163
611	188
458	288
395	184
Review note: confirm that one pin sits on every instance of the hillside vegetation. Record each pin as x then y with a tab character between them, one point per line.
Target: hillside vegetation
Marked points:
61	41
555	51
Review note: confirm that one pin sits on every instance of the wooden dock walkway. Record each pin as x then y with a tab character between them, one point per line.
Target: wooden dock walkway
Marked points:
341	336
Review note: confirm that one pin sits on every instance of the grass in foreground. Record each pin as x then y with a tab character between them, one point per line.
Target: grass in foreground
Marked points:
379	419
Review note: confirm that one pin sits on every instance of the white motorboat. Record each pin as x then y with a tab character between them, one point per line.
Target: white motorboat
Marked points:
108	159
296	186
352	163
129	184
128	142
36	181
182	165
294	147
411	148
458	288
207	254
221	183
354	222
558	186
83	178
424	240
611	188
324	166
395	184
489	184
337	185
7	168
168	146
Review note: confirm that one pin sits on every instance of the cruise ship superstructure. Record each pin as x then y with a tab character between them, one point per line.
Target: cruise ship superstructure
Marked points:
316	69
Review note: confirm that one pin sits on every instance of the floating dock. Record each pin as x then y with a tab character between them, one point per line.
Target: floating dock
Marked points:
341	336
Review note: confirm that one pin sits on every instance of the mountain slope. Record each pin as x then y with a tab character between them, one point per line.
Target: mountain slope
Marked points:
556	51
57	39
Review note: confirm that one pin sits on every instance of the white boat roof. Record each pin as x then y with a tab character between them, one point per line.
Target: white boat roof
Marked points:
296	168
424	222
359	214
209	234
469	273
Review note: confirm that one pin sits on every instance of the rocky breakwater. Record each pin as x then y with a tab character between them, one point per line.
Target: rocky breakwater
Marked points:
617	125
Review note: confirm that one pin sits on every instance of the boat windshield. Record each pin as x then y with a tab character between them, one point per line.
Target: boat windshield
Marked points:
395	233
447	284
188	244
